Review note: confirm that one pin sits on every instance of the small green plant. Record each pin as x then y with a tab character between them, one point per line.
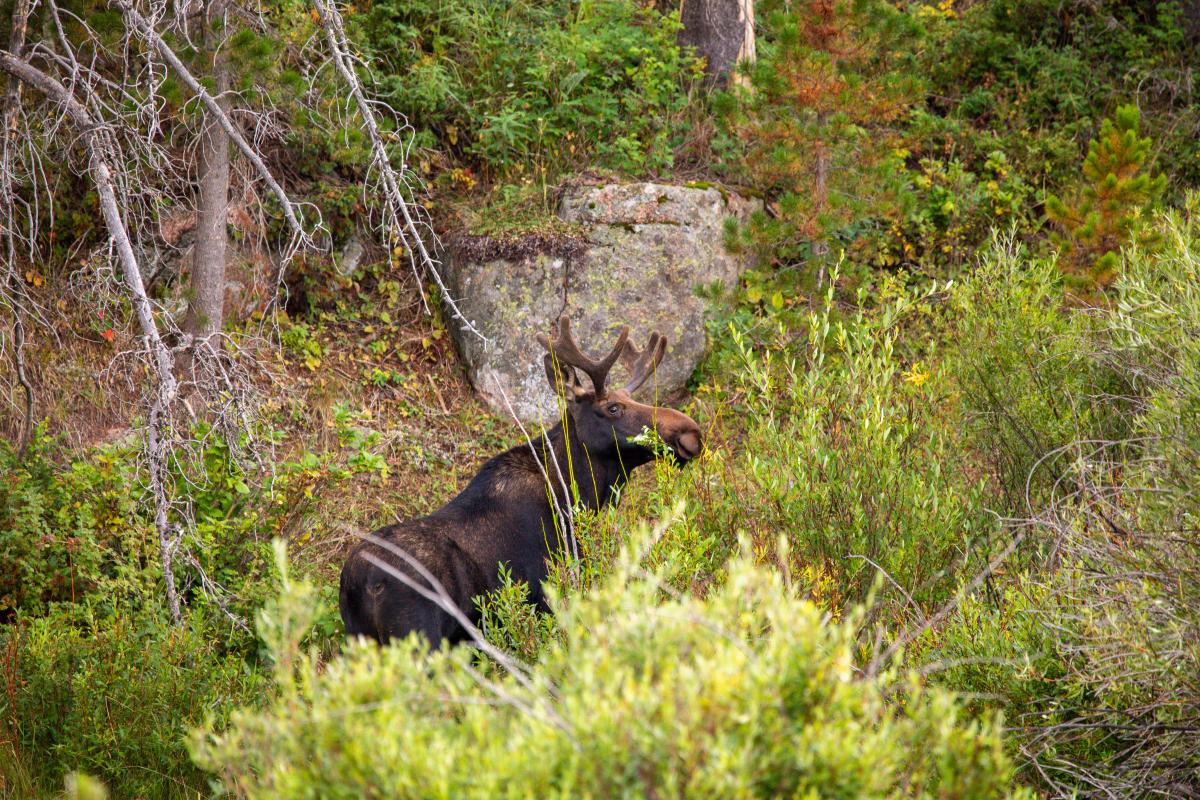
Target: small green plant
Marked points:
950	209
359	441
1107	214
511	623
299	340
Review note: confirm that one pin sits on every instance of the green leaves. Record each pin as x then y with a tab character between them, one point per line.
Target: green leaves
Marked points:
527	90
1107	212
748	692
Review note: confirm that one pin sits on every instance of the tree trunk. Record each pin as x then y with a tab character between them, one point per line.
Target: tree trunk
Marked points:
8	218
722	31
205	314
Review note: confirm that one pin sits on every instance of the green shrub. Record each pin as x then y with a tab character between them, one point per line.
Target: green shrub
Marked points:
1094	651
748	693
70	534
511	623
1033	78
114	696
1022	364
821	427
533	87
952	209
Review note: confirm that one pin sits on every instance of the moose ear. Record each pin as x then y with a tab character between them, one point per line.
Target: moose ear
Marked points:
563	379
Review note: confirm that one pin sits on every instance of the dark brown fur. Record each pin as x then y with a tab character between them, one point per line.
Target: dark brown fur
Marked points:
506	514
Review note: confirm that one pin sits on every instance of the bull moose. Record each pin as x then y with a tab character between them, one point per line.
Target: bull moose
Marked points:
506	514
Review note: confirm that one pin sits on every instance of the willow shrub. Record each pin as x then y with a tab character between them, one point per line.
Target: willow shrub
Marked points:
113	696
821	424
1092	650
749	692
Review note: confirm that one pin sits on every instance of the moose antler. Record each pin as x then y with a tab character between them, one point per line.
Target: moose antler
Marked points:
641	365
563	350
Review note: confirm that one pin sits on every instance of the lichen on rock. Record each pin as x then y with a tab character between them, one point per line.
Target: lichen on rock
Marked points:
648	248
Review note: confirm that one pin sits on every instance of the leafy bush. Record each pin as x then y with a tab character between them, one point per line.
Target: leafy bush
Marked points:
1033	77
114	696
530	88
70	534
821	426
951	208
511	623
747	693
92	676
1021	362
1095	650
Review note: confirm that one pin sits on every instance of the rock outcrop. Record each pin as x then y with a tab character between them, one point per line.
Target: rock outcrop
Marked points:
646	250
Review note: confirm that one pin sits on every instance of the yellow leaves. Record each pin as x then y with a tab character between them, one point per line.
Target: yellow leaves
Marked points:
943	10
34	278
463	178
917	374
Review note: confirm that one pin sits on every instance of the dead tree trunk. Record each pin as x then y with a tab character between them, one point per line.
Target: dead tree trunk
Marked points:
166	388
205	314
14	292
722	31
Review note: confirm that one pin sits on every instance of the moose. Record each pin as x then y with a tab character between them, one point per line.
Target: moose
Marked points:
505	517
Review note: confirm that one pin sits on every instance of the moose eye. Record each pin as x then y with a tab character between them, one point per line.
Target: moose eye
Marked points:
614	409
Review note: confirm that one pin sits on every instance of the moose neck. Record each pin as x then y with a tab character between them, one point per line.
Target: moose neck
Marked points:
597	474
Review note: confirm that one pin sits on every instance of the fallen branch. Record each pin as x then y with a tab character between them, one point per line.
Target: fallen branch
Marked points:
400	221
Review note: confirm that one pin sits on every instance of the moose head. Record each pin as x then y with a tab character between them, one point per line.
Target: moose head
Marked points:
608	420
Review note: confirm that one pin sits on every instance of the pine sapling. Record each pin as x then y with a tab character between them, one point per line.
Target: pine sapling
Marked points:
1105	216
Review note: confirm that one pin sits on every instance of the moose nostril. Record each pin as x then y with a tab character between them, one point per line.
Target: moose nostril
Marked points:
688	445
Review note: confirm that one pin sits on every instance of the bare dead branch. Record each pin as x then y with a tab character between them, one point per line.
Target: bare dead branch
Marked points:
292	211
14	292
400	219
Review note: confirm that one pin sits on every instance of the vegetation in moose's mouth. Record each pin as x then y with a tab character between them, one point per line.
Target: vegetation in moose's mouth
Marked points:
924	524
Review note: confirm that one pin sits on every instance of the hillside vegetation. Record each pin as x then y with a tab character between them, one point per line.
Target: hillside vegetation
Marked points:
942	541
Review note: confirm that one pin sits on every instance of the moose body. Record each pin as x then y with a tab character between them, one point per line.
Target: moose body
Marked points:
506	516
